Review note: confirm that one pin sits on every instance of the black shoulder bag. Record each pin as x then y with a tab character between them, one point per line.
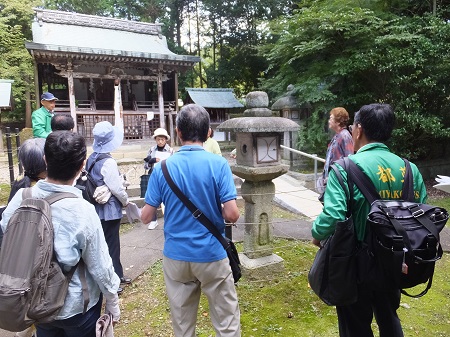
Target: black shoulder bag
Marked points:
334	275
227	244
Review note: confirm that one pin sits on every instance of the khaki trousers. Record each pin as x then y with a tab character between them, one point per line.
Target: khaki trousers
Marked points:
184	283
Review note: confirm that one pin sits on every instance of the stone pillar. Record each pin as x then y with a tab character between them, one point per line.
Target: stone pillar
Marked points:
258	236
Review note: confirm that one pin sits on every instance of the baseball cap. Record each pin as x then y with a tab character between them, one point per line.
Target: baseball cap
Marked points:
48	96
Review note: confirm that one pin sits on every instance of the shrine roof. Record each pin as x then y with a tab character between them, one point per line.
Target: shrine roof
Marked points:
65	32
214	97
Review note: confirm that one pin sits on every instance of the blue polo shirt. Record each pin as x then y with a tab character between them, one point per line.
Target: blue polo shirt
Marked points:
206	179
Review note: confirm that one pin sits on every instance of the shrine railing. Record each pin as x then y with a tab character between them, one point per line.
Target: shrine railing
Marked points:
136	125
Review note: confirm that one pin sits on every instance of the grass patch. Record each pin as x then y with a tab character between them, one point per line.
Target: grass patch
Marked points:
441	202
5	189
125	227
283	305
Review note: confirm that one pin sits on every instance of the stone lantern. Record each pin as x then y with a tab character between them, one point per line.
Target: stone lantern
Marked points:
258	161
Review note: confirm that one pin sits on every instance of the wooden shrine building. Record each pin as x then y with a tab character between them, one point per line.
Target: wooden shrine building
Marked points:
79	57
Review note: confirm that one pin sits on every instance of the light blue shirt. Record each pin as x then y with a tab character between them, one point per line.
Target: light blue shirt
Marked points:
206	179
78	233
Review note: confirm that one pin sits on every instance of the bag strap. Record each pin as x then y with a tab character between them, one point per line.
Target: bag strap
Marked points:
27	193
408	183
84	287
99	157
196	213
347	189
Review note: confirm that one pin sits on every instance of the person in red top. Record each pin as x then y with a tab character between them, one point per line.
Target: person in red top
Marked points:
341	145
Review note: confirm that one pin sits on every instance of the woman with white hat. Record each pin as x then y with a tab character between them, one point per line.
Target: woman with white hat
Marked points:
105	171
154	156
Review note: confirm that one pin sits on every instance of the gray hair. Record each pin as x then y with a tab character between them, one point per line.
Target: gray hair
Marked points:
193	123
31	156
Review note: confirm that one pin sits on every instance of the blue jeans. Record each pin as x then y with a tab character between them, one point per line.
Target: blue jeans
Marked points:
77	326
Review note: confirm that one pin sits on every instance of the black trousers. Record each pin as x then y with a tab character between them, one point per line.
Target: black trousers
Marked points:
111	231
355	320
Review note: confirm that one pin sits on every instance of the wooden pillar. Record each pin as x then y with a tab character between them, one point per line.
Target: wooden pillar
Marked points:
28	109
73	108
162	122
36	86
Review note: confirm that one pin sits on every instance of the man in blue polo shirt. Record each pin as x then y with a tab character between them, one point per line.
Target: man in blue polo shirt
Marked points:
194	259
41	118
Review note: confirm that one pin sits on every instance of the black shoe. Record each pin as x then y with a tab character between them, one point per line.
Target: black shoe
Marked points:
119	291
125	280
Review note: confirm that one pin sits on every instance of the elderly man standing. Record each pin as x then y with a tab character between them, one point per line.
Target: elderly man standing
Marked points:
372	127
194	259
41	118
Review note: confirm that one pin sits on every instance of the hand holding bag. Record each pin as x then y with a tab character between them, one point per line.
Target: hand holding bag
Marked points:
333	275
104	326
227	244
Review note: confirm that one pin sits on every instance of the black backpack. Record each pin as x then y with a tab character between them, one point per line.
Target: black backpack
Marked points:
403	235
86	183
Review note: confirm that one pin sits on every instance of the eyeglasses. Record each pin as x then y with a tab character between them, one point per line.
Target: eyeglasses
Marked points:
352	128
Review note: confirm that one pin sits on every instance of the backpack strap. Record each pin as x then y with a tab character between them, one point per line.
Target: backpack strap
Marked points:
365	185
347	189
59	196
99	157
80	265
27	193
82	274
408	183
52	198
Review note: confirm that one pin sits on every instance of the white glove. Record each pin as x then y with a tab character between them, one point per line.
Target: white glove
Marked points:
102	194
112	306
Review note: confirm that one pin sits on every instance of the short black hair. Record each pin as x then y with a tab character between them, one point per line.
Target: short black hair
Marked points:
65	152
193	123
377	121
61	122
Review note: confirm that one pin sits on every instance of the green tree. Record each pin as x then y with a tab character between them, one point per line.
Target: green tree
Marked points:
353	56
16	63
236	30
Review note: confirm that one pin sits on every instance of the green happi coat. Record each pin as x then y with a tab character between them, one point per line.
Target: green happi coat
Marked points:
385	169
